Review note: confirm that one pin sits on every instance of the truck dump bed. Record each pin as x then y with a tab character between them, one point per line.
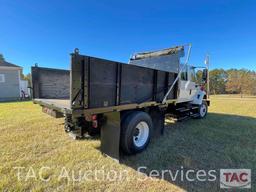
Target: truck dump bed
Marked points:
97	85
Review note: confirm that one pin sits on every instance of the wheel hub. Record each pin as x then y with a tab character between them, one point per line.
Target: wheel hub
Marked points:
203	110
141	134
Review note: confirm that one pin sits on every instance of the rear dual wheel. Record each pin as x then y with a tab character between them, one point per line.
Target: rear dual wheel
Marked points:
136	132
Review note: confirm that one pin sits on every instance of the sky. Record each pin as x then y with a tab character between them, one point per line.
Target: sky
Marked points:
46	32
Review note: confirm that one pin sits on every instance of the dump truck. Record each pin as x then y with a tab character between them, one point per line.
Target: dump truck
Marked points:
125	103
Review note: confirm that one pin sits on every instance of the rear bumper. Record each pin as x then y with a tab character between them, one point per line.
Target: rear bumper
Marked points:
55	105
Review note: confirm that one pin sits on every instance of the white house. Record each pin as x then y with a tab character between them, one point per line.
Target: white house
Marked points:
11	85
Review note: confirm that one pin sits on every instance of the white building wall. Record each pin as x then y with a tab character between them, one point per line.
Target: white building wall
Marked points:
9	88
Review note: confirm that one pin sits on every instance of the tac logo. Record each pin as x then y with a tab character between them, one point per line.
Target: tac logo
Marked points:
235	178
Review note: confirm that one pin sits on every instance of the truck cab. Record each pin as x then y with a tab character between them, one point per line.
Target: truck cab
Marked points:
191	87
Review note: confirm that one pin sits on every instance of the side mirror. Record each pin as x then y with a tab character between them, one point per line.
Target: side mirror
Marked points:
205	74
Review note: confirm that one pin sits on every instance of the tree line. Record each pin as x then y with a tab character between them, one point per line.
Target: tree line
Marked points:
232	81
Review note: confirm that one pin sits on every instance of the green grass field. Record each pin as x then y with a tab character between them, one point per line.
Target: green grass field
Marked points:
32	139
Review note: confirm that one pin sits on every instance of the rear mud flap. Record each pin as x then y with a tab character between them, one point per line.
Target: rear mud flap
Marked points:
110	135
158	118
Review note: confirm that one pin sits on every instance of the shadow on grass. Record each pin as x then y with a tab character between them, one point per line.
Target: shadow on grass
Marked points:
218	141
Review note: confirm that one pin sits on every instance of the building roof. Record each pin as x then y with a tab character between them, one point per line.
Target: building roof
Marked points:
4	63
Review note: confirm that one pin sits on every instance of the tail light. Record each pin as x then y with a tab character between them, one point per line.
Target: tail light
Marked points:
94	121
94	117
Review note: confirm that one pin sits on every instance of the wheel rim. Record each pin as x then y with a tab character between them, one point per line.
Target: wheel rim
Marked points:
203	110
141	134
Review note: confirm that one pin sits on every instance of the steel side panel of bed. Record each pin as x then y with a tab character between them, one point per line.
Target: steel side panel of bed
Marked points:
99	83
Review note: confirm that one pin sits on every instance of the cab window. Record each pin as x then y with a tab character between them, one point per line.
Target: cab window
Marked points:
193	74
184	75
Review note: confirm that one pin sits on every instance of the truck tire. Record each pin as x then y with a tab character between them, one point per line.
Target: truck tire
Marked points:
202	110
136	132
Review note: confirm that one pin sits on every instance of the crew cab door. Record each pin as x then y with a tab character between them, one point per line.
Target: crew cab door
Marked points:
187	85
